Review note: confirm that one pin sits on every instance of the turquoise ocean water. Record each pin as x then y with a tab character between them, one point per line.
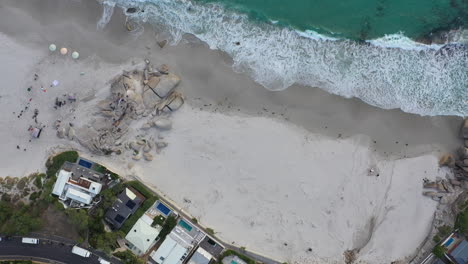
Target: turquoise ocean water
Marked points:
357	19
355	48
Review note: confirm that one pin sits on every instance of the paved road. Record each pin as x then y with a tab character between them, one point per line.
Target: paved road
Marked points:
45	250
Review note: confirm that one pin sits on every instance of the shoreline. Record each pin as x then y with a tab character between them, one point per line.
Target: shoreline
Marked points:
233	140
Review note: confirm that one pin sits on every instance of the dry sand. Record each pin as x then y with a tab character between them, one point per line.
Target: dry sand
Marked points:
260	168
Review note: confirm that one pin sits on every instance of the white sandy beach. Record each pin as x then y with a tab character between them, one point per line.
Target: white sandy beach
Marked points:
278	173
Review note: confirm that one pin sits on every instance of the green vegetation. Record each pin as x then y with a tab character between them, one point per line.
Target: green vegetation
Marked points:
439	251
158	220
167	227
461	223
443	231
232	252
128	257
210	231
38	180
19	218
195	220
102	169
55	163
134	218
150	200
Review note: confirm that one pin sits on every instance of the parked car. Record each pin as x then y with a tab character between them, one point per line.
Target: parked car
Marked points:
28	240
81	252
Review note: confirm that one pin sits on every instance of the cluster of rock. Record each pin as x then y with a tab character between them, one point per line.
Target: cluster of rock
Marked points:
459	162
143	147
147	93
451	192
440	188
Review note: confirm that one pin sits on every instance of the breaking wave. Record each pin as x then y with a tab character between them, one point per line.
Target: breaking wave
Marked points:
389	72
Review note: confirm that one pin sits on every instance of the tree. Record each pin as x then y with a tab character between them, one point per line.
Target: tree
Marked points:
439	251
79	218
462	222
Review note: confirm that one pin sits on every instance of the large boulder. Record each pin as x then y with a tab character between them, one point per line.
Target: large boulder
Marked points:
166	84
153	82
464	129
174	104
71	133
150	99
163	123
463	151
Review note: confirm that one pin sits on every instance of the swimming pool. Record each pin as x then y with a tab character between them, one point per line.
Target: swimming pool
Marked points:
163	209
448	242
85	163
186	226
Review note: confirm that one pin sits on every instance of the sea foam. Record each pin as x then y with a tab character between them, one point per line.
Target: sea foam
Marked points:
390	72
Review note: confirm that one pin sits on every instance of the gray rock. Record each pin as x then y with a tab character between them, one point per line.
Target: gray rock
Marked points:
175	103
134	146
153	81
162	43
148	156
167	84
136	157
71	133
61	132
464	129
463	151
455	182
147	148
150	99
161	144
466	143
465	162
163	123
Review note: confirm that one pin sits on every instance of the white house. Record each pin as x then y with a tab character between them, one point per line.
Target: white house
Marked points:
78	189
142	236
177	245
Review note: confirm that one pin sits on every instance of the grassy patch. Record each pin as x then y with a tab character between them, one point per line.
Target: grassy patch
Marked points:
55	163
232	252
134	218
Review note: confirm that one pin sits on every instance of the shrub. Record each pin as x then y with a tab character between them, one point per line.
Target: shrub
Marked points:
461	223
55	163
210	231
128	257
38	180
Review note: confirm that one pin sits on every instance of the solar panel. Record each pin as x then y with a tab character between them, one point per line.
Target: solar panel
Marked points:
130	204
119	218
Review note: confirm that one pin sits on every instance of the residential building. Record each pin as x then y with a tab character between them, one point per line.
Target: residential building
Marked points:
76	190
178	244
142	236
128	201
212	247
459	254
200	256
